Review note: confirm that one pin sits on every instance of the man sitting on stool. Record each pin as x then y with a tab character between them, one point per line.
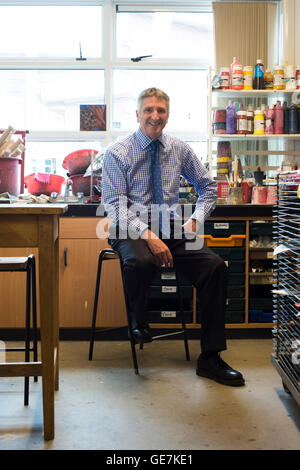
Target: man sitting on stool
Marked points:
140	184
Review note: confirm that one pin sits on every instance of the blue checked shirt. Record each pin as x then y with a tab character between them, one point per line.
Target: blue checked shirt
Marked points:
126	178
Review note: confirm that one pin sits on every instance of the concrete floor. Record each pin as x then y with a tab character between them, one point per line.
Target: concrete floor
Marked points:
102	404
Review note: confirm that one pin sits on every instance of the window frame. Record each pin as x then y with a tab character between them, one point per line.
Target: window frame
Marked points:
109	62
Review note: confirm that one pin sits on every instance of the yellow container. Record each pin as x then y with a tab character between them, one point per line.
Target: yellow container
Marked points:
259	122
279	83
248	77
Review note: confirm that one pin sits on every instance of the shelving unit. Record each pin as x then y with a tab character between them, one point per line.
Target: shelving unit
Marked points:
286	331
254	150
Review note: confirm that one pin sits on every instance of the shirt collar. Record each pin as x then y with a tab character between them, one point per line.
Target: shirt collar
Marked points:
144	140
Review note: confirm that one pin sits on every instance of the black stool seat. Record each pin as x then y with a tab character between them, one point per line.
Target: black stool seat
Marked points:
25	264
110	254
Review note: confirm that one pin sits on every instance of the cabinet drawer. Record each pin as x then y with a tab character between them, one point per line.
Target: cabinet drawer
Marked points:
84	227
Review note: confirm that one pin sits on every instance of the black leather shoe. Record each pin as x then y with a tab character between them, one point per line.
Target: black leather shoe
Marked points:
216	369
141	335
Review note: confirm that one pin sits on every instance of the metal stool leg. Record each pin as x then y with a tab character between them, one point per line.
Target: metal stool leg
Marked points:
101	258
27	331
92	339
132	342
34	313
187	352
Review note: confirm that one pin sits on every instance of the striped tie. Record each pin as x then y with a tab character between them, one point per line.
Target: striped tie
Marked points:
157	189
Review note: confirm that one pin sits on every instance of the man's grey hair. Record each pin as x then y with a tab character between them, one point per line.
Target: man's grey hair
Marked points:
149	93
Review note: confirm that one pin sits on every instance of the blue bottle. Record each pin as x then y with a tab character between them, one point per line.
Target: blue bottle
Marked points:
286	111
293	124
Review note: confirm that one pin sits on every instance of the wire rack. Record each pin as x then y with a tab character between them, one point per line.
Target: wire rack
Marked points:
286	293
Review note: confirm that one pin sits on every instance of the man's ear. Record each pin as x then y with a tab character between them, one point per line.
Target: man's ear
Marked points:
137	115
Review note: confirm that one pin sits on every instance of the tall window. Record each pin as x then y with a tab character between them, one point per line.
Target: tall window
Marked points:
67	55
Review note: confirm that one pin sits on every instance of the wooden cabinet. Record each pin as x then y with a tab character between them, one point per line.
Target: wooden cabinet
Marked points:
79	249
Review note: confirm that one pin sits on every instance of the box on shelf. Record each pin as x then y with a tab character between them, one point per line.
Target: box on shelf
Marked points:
260	316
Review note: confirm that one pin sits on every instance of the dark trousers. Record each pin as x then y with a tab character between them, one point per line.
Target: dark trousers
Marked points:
206	271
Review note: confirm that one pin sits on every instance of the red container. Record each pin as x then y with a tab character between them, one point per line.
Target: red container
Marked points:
223	188
37	187
82	184
77	162
10	175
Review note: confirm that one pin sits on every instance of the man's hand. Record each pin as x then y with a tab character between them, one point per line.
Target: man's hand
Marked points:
190	226
158	248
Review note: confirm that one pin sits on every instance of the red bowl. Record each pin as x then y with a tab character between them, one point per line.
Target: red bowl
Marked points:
82	184
77	162
37	187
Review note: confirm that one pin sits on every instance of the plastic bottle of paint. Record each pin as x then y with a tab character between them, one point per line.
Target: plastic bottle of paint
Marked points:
269	126
286	115
293	124
237	75
259	122
230	119
258	81
278	118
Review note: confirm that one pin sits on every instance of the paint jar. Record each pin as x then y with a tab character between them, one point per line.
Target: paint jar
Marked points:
279	78
286	118
259	122
259	195
250	119
241	122
237	75
269	127
248	77
290	78
293	122
268	80
298	77
278	118
230	119
225	78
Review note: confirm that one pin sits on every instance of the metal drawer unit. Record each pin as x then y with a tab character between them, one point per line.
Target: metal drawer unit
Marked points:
286	331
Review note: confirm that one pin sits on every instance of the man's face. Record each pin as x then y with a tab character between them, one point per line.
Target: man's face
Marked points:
153	116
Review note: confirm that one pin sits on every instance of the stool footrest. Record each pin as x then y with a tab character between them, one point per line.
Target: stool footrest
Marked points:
16	349
20	369
168	334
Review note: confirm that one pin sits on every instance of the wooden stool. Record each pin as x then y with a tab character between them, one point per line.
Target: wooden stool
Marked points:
25	264
109	254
